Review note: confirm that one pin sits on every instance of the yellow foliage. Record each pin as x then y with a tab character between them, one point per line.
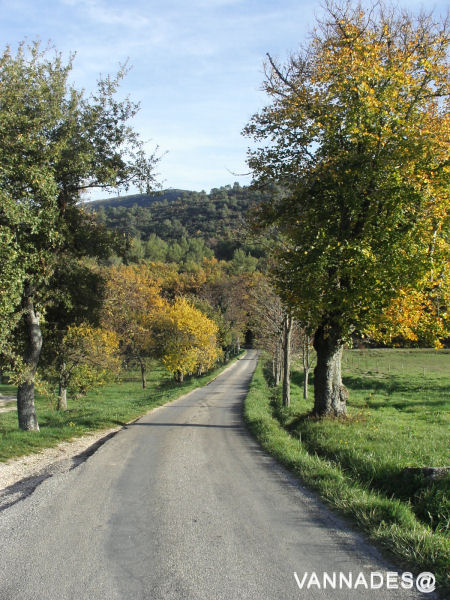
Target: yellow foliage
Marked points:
132	304
416	315
189	339
90	356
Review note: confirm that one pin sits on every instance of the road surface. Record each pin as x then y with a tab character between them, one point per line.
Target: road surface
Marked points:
181	505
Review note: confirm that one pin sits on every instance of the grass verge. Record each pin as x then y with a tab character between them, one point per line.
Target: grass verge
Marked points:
106	407
388	521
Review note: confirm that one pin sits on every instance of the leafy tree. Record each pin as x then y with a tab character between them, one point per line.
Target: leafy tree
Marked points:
55	143
415	316
225	333
243	262
76	300
268	316
230	294
188	340
136	252
175	252
155	248
131	307
87	357
357	129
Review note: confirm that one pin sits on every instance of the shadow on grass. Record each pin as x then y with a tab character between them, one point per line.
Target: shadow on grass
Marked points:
428	499
86	419
298	377
394	384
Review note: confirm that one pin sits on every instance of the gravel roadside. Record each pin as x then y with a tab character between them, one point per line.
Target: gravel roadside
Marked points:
20	476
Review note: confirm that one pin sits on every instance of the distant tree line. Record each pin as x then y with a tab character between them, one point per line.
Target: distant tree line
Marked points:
217	218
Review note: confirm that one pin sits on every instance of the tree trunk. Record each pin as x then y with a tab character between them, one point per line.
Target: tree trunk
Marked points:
330	395
62	391
306	365
287	360
26	411
144	380
62	397
179	376
305	384
277	365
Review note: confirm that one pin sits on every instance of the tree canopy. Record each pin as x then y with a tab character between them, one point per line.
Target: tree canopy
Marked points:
55	142
356	136
188	339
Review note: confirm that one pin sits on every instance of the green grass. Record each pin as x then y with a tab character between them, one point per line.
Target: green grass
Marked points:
398	417
7	390
106	407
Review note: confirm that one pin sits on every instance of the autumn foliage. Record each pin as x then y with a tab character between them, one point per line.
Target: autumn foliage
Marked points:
356	138
89	357
415	316
188	339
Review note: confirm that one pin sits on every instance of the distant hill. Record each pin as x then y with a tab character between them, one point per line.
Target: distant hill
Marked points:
143	200
173	215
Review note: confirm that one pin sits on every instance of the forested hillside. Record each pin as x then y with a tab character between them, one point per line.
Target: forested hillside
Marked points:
163	222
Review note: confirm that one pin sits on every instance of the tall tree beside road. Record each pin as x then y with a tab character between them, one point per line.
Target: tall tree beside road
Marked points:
357	137
268	317
55	142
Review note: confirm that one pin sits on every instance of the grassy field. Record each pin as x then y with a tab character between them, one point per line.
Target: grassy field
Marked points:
398	417
106	407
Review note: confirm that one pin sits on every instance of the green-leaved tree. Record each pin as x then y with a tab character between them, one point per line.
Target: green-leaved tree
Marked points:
356	135
55	143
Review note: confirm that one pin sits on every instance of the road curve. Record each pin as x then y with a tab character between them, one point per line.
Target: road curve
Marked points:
180	505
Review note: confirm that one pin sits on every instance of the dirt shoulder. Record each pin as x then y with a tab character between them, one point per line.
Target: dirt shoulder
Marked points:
20	476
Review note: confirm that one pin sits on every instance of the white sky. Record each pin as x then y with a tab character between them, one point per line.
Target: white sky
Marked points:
197	67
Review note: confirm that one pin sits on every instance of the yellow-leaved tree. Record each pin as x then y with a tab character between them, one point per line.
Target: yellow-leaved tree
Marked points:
132	307
417	316
188	340
88	357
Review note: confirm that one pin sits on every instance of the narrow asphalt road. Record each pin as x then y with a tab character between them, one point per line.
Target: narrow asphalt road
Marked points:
181	505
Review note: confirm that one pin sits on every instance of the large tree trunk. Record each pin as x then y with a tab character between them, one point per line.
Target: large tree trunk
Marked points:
330	395
287	360
278	365
26	410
